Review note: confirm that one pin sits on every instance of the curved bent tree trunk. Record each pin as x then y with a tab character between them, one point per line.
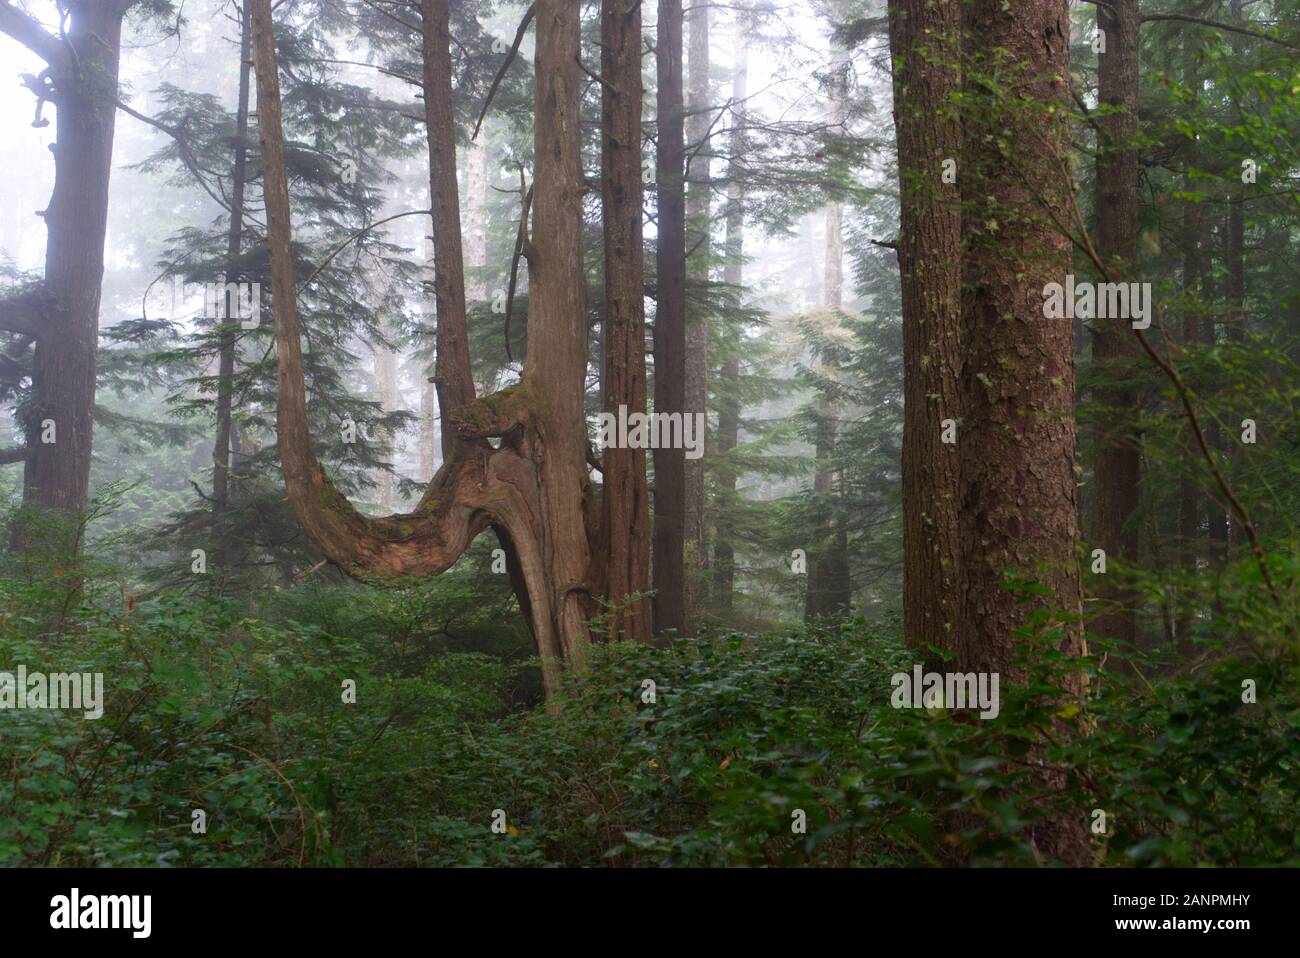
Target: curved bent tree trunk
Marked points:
534	488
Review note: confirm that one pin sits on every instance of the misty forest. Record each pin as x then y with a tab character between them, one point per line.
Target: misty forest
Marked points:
827	433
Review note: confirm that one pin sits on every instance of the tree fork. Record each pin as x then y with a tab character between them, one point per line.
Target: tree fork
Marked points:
533	488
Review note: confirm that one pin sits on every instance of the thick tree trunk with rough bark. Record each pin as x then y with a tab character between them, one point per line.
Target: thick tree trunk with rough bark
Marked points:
1116	473
924	40
63	313
1017	436
670	323
624	550
533	488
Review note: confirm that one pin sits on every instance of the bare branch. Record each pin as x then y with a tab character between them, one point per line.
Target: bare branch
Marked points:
24	312
510	58
24	28
521	246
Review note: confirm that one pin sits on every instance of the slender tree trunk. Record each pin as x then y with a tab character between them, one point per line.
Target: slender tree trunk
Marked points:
1216	517
234	247
670	324
724	551
1236	261
1017	436
386	391
1189	507
429	414
1117	470
924	40
625	511
829	586
695	543
828	589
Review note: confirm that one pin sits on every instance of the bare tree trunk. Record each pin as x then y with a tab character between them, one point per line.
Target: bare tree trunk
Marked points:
63	315
695	542
532	488
670	324
1189	518
1117	472
1236	256
234	246
429	442
624	546
829	589
924	40
733	274
1017	436
385	366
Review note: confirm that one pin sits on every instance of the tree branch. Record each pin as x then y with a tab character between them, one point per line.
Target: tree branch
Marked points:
510	58
1215	24
24	28
521	245
24	312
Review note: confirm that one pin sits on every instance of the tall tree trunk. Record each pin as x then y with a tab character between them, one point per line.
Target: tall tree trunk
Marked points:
1236	254
695	532
386	391
63	315
533	487
624	553
924	41
429	441
829	589
670	323
733	274
1216	516
1189	505
1116	473
234	246
1017	436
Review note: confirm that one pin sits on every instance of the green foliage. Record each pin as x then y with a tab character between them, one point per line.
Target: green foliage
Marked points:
243	715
